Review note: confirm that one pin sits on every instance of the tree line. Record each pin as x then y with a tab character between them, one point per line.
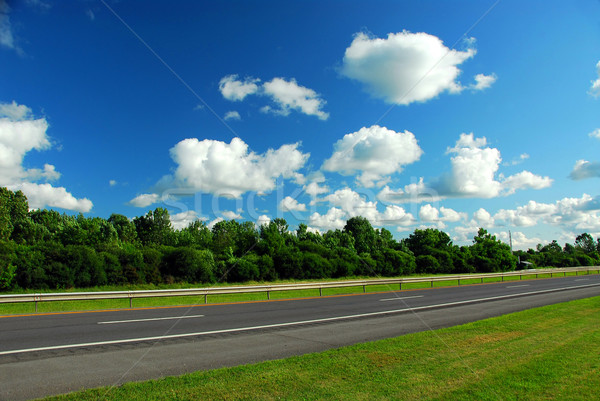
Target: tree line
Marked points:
43	249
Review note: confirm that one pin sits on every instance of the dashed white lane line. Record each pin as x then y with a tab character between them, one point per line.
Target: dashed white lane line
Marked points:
152	320
518	286
400	298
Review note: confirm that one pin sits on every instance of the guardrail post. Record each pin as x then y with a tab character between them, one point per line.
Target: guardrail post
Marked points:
482	280
400	286
577	272
431	283
205	298
458	281
268	295
320	291
364	289
502	279
35	306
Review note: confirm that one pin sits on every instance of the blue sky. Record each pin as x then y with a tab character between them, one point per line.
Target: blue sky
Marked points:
452	115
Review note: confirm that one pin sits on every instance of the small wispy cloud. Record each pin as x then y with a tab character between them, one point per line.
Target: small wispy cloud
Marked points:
232	115
518	160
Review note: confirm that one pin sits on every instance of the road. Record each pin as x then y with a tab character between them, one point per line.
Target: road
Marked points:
46	354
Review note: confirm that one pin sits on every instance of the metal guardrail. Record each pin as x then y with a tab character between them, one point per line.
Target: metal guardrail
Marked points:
80	296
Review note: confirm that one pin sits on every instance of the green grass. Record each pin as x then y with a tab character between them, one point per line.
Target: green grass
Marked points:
64	306
548	353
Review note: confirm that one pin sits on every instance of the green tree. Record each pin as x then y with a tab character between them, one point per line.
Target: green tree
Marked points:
126	231
225	235
585	243
196	234
434	243
155	227
191	265
363	233
273	236
303	234
339	239
13	211
490	254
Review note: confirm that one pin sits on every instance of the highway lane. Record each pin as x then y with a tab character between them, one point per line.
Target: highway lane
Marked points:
27	375
68	331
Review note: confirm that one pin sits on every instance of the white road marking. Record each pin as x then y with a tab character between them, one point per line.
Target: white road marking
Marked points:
400	298
517	286
287	324
151	320
582	279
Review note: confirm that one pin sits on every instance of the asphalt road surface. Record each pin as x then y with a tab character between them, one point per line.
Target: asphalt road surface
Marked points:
47	354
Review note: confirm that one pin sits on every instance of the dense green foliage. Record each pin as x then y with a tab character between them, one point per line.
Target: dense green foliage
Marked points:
43	249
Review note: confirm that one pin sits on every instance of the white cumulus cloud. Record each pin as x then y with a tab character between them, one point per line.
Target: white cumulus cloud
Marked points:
473	174
414	192
231	169
407	67
289	204
431	214
348	203
20	133
314	189
483	218
525	180
483	81
145	200
286	95
14	111
231	215
595	133
236	90
375	152
183	219
519	240
584	169
334	219
42	195
262	220
473	169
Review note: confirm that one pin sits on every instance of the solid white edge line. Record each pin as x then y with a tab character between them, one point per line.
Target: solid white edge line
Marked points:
517	286
151	320
400	298
269	326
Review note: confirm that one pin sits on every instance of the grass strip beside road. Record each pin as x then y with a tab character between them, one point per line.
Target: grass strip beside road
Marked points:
103	304
547	353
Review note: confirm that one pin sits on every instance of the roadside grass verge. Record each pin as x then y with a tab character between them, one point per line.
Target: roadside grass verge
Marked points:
65	306
547	353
